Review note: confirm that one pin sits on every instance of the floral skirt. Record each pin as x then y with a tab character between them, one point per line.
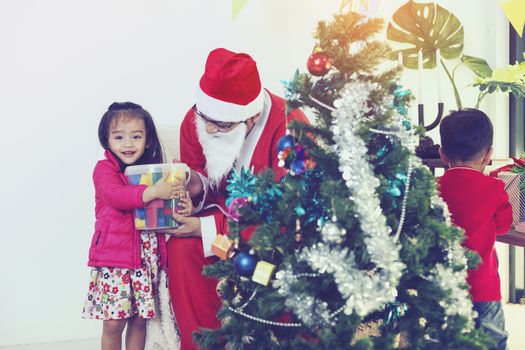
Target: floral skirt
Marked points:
117	293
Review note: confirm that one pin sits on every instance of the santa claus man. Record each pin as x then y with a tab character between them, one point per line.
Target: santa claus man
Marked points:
235	123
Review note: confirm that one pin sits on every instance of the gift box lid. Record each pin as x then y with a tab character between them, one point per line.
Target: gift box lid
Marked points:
156	168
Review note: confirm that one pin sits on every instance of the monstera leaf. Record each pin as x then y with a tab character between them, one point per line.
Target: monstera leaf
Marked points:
477	65
505	79
426	27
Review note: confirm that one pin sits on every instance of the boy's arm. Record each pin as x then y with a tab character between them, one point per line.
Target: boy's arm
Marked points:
109	186
503	215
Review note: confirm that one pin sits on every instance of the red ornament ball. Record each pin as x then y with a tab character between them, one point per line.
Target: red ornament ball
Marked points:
318	64
246	234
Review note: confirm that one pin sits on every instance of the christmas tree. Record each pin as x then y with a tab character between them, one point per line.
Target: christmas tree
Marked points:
352	248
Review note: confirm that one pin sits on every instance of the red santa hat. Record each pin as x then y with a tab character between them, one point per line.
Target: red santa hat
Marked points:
230	89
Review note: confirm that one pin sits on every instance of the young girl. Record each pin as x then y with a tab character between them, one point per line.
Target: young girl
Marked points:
124	261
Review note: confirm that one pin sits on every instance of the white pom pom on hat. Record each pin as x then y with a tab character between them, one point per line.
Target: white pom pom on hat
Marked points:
230	89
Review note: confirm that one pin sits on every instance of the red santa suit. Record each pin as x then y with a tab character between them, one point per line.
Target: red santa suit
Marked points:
194	298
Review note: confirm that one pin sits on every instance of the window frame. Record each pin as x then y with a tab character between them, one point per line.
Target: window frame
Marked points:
516	106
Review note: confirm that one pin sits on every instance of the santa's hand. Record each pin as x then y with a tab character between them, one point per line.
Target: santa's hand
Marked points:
190	226
185	204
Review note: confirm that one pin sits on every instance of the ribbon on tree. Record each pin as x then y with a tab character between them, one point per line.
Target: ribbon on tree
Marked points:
515	12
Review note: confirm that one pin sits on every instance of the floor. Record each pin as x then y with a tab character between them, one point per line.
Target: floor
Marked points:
514	315
86	344
514	319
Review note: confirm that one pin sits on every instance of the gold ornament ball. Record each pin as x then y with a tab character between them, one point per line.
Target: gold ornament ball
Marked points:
224	285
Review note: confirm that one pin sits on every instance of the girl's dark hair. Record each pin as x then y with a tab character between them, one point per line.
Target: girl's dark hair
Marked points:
153	152
465	134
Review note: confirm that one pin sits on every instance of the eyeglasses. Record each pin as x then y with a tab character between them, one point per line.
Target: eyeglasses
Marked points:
220	126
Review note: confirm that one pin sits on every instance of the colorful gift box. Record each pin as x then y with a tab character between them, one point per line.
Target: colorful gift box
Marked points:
263	272
221	246
516	196
158	213
513	175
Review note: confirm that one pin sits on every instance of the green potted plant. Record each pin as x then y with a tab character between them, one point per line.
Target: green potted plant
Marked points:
432	35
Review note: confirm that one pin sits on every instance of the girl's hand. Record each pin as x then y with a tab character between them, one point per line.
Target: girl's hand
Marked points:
167	190
162	190
190	227
193	184
185	204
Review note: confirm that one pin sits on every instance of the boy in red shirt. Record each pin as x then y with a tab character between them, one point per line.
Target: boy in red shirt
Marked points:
479	205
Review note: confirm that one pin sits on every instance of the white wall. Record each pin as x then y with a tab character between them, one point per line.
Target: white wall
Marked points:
486	36
62	62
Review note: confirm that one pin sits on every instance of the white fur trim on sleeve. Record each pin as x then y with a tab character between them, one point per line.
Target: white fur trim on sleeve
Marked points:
162	331
208	233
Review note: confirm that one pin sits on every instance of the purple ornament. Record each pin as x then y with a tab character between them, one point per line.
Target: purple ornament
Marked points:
235	207
298	166
244	264
299	152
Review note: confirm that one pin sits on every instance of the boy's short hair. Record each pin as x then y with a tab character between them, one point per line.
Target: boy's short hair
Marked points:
465	134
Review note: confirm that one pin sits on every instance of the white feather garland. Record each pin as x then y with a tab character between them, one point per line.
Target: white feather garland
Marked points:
161	332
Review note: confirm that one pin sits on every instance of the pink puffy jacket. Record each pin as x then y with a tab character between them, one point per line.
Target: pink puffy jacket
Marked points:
116	242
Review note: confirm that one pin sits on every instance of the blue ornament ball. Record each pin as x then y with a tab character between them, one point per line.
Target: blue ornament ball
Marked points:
244	264
285	142
297	167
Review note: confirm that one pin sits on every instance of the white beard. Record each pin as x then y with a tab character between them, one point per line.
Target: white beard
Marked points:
220	149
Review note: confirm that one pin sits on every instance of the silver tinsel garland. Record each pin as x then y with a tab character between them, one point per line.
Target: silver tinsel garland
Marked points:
364	291
377	287
458	302
367	291
409	140
313	312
